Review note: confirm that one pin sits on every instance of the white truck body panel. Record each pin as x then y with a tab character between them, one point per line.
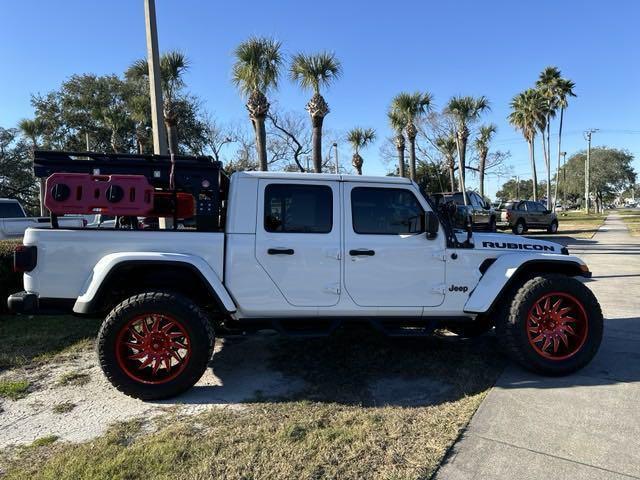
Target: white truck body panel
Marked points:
410	275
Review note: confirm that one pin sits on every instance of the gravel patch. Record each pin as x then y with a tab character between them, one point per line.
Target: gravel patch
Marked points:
241	375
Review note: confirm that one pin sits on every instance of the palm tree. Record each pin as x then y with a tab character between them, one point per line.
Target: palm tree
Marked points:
465	111
446	144
311	72
397	124
485	134
527	111
256	70
409	107
547	83
33	130
173	65
564	91
359	138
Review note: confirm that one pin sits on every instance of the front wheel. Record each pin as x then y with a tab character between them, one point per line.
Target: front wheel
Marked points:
155	345
492	224
553	228
553	326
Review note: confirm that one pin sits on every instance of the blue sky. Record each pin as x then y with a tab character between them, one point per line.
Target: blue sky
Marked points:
492	48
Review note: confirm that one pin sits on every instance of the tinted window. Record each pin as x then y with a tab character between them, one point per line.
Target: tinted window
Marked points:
389	211
536	207
298	208
10	210
475	200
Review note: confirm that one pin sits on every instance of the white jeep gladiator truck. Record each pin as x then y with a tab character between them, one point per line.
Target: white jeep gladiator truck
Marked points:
304	253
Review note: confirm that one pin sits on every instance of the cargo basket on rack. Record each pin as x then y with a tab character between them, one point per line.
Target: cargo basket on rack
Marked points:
130	186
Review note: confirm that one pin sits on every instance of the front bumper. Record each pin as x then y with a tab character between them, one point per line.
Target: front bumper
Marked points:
23	302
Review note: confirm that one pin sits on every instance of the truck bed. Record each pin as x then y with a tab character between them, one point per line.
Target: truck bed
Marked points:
66	258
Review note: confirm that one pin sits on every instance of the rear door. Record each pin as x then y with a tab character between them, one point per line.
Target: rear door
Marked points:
298	239
389	262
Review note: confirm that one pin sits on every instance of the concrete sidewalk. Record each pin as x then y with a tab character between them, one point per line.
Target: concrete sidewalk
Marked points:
585	426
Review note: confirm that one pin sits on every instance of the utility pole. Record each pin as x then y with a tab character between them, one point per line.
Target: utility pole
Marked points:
587	171
335	145
517	187
153	60
564	179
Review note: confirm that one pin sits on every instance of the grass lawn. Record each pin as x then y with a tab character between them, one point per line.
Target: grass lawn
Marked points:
357	417
28	339
575	225
632	219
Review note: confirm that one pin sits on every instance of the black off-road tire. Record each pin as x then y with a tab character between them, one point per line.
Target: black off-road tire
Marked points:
512	325
553	227
519	224
192	321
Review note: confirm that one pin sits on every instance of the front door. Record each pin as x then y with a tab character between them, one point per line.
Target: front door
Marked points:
298	239
389	262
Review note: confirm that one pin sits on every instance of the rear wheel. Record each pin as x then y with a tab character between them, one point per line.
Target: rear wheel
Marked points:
155	345
553	326
520	227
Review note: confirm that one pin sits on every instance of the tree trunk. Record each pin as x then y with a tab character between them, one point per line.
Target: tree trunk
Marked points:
172	135
401	161
555	195
261	143
316	140
547	167
412	158
534	174
452	177
549	199
481	167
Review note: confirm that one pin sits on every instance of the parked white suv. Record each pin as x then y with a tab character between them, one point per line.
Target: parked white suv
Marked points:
304	253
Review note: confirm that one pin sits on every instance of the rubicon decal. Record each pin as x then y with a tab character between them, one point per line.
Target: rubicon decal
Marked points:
519	246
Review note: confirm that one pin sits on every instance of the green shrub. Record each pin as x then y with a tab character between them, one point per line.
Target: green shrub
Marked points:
10	282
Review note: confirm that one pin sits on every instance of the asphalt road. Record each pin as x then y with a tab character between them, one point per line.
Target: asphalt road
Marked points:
584	426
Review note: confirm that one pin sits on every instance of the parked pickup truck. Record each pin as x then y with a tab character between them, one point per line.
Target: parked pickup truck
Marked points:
303	254
521	216
14	220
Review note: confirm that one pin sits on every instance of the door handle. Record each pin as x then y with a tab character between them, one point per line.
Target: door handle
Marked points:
362	252
280	251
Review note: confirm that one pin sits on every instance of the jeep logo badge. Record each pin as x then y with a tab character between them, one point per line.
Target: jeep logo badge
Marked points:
460	288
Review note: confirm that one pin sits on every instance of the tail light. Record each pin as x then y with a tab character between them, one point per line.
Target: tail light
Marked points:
25	258
508	214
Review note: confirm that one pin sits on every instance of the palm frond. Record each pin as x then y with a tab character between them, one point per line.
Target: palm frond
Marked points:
361	137
485	134
467	109
314	71
528	112
411	106
257	66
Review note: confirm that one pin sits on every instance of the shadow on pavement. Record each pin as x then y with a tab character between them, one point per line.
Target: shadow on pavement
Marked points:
354	366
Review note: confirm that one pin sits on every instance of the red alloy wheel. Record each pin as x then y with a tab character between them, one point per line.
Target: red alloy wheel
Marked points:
557	326
153	348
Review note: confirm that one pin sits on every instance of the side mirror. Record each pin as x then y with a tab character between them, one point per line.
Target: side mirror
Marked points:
431	224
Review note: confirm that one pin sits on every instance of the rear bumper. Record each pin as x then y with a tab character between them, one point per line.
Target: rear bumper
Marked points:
29	302
23	302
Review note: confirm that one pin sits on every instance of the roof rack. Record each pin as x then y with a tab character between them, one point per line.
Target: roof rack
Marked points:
199	176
